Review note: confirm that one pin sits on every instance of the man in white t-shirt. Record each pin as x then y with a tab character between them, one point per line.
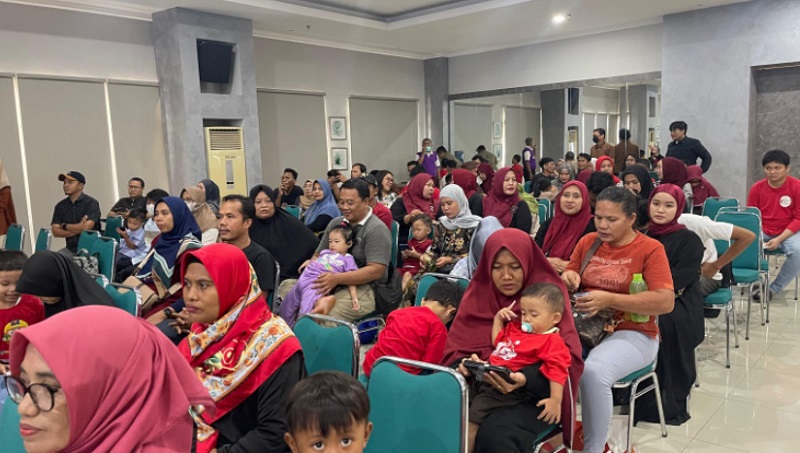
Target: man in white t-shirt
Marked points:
709	230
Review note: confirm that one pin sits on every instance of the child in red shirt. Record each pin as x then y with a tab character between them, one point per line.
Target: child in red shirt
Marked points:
520	343
421	227
16	311
516	166
418	333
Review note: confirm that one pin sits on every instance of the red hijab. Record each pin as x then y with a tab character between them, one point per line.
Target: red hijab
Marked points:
466	180
127	387
498	204
245	327
600	161
704	189
584	175
566	230
487	170
673	171
656	230
413	198
471	332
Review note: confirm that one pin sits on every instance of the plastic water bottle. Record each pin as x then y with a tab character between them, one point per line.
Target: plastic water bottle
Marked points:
638	285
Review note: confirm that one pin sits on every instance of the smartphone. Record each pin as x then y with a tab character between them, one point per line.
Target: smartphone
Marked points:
479	369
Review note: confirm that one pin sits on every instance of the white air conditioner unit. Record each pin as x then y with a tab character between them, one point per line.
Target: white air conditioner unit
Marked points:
226	161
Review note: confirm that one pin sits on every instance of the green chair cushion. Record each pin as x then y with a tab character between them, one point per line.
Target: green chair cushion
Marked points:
745	275
719	297
637	374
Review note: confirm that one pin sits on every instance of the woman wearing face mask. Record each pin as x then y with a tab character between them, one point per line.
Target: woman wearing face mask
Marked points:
428	159
417	199
504	202
682	330
195	200
211	191
558	236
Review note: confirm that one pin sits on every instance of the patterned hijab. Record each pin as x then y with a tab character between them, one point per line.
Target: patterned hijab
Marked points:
237	353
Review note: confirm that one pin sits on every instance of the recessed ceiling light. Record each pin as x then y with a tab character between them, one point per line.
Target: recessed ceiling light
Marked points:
560	18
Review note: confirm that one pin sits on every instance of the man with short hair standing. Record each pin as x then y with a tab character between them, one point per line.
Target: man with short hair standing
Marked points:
685	148
601	147
74	214
624	148
529	159
134	200
288	194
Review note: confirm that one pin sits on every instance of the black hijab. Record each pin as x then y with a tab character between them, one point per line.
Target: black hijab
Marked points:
284	236
212	194
51	274
643	175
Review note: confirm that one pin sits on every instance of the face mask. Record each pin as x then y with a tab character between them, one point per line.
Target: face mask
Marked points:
427	149
595	139
478	180
151	210
190	205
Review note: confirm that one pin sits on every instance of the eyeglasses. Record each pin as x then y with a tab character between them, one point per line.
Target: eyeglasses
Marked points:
42	395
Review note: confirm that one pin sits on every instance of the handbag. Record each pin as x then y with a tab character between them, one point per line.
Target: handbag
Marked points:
388	294
592	329
89	263
149	297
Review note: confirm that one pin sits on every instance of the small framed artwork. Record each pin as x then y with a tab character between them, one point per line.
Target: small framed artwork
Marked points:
497	150
497	130
338	126
339	158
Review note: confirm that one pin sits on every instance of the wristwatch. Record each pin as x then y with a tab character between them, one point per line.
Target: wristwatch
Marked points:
63	226
168	312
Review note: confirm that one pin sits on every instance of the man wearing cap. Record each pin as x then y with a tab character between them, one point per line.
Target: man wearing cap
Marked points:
380	211
75	214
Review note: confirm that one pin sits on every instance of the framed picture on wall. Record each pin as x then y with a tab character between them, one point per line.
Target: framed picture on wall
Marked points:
339	158
497	150
497	130
338	127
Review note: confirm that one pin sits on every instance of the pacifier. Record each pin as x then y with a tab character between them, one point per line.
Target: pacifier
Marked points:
527	328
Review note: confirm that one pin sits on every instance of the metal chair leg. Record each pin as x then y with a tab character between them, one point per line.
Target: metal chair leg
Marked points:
631	408
749	303
660	406
727	335
735	327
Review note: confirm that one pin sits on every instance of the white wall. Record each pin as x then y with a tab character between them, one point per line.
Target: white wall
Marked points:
636	51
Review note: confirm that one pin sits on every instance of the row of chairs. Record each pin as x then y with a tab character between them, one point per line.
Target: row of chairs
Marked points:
15	237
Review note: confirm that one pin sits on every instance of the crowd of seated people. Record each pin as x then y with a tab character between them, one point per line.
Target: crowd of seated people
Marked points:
221	321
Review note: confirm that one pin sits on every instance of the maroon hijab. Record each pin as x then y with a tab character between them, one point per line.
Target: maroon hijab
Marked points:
466	180
656	230
673	171
584	175
566	230
498	204
413	198
471	332
704	189
487	170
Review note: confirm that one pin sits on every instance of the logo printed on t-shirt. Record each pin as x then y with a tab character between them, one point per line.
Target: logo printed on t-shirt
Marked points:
12	327
505	350
786	201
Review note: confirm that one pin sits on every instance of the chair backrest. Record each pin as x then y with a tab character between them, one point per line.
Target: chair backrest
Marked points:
112	223
9	427
395	238
751	257
333	348
293	210
429	279
422	413
15	237
528	187
544	214
712	205
43	240
106	250
86	239
126	301
750	209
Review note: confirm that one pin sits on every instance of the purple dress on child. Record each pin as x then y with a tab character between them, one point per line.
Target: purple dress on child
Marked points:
302	297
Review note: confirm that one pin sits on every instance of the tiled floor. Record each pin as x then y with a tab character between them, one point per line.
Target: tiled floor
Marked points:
752	407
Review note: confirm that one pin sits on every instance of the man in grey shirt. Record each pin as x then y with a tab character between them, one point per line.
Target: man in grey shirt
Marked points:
371	249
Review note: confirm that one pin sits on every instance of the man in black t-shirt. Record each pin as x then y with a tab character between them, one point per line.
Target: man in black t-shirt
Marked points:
288	194
134	200
74	214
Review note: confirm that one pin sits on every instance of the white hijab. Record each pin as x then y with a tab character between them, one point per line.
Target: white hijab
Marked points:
464	219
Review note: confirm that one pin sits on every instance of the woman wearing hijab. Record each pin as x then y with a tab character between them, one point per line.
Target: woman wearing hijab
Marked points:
701	188
510	263
324	209
282	234
307	199
178	228
195	200
453	233
682	330
246	357
468	183
636	178
466	267
59	283
606	164
486	174
563	175
132	394
673	171
558	236
417	199
504	203
212	194
8	215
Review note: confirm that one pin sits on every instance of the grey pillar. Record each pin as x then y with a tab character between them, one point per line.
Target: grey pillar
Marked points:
437	88
638	104
554	123
186	109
